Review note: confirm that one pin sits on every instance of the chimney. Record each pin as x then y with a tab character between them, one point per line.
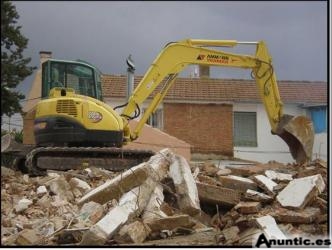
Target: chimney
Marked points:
44	56
204	71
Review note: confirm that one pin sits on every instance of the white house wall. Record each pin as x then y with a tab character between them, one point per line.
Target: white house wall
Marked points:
272	147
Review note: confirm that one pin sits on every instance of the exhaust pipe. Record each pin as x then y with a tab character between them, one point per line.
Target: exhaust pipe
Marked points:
298	133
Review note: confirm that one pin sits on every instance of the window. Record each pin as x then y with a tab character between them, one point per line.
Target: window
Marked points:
156	119
70	75
318	117
245	129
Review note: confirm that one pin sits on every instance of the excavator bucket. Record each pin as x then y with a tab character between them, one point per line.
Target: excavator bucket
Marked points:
298	133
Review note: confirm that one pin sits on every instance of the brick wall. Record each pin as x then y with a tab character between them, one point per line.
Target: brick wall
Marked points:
207	127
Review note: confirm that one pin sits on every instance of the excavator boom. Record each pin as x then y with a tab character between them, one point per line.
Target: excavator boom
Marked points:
297	132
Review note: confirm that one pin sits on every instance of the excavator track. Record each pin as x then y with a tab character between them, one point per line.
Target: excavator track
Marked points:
65	158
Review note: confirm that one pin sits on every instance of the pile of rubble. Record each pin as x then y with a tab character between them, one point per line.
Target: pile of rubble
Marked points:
164	201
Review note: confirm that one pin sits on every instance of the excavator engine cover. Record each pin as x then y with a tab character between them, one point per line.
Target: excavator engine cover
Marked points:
298	133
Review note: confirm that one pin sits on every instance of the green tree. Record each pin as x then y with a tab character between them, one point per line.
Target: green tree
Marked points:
14	67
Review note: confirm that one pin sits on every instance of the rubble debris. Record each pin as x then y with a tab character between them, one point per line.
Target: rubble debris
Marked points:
205	238
135	232
248	207
217	195
170	222
131	202
231	234
41	190
153	208
278	177
299	192
185	186
28	237
209	169
80	185
224	171
22	205
305	216
227	216
115	188
237	182
59	186
265	183
92	211
257	169
257	196
270	228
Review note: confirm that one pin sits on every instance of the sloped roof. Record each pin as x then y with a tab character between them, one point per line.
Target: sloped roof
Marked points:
223	90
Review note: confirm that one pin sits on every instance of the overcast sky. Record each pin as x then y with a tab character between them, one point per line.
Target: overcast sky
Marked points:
105	33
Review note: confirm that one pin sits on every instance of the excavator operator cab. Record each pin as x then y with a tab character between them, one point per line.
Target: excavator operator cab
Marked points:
84	78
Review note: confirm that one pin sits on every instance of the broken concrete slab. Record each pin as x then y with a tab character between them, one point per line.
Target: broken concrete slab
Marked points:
257	196
237	182
270	228
265	183
305	216
132	203
135	232
250	207
217	195
185	186
278	177
115	188
153	210
170	223
299	192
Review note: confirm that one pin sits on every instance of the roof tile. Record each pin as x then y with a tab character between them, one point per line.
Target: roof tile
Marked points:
219	90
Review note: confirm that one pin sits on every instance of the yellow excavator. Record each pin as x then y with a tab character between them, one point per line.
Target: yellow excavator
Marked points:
74	126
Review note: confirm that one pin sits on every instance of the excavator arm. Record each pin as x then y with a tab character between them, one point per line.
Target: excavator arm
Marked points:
296	132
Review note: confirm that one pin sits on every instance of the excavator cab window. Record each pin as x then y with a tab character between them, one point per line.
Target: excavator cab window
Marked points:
81	77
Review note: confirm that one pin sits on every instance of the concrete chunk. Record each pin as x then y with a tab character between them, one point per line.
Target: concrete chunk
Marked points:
135	232
257	196
256	169
170	222
270	228
218	195
80	185
248	207
92	211
273	175
185	186
28	237
22	205
305	216
61	187
265	183
236	182
153	208
299	192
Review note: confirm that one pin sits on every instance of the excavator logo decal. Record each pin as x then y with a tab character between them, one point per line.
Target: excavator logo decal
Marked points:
95	116
217	59
200	57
